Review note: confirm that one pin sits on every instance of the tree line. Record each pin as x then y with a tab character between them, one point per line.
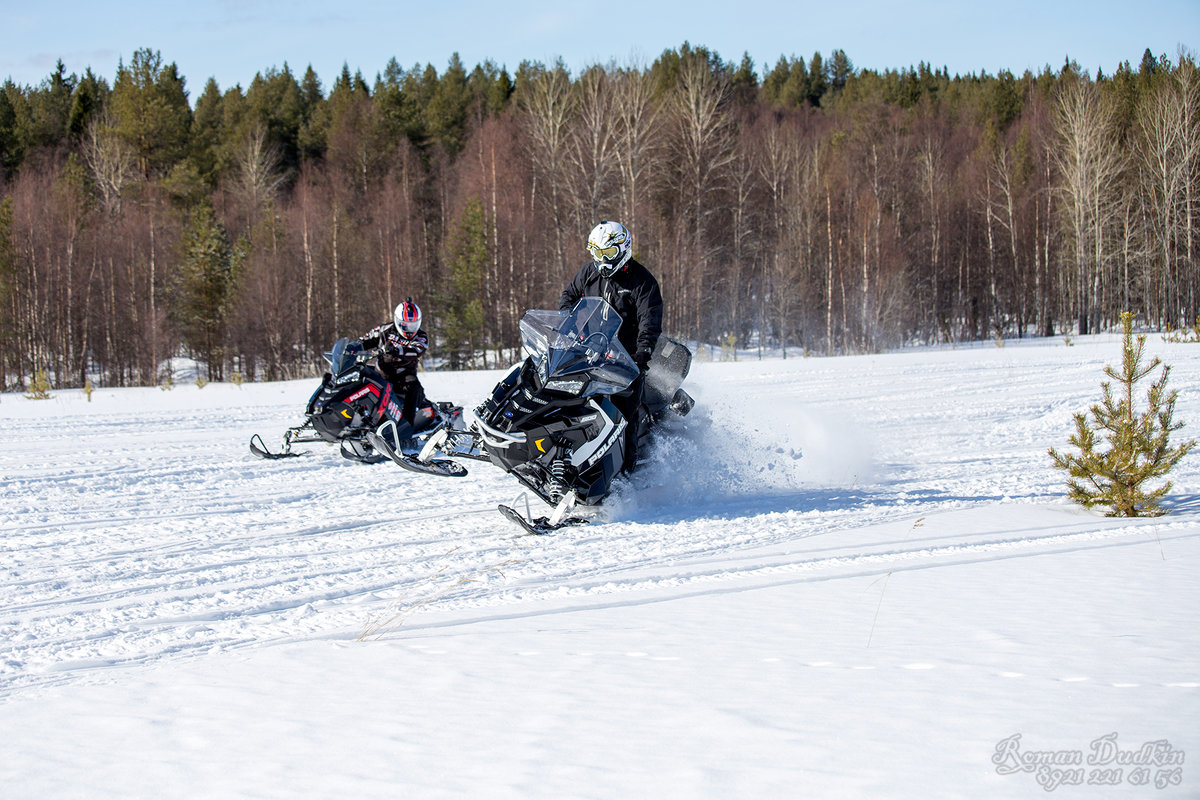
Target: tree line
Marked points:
819	208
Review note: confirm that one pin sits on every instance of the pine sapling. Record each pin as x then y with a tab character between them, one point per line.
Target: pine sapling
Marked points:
1139	448
1188	335
39	386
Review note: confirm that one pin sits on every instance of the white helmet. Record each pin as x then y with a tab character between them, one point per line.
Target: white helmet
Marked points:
611	245
407	318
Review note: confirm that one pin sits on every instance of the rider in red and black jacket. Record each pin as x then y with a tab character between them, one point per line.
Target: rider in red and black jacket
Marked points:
400	345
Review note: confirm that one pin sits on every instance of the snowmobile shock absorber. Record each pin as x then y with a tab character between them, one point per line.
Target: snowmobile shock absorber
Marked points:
556	487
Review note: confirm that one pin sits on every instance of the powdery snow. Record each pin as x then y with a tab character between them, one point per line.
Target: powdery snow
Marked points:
848	577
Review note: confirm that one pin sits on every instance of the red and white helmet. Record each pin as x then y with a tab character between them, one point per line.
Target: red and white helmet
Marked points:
611	245
407	318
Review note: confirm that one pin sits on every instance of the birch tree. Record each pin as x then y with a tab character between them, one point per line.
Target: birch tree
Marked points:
1168	153
110	161
549	107
639	140
593	151
1088	167
703	152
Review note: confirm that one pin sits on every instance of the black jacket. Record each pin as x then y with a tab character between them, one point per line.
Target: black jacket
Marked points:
633	292
398	356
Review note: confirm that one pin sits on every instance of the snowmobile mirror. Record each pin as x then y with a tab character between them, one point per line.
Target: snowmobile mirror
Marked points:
597	345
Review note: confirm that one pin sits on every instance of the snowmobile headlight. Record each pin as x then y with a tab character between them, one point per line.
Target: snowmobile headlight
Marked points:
566	387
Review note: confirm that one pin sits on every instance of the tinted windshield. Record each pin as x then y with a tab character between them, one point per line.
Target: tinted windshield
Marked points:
580	343
344	356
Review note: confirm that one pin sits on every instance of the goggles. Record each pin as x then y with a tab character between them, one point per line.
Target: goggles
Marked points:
602	253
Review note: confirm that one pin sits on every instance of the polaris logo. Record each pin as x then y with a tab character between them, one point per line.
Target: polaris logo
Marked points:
593	451
359	393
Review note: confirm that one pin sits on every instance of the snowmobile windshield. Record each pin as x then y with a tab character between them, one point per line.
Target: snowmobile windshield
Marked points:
344	356
579	345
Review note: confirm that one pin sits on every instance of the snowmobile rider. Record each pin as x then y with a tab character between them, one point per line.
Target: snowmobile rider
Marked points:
400	345
632	290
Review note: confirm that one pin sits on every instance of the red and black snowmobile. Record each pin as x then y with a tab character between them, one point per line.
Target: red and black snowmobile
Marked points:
357	408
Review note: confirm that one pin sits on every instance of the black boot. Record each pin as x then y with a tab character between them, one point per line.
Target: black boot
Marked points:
633	436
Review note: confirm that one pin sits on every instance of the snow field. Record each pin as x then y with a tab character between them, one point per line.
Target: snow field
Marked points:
844	577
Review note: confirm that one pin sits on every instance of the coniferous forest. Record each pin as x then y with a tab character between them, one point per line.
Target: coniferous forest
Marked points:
809	206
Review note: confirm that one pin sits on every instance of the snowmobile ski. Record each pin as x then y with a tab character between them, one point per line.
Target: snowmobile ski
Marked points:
259	449
543	525
437	466
540	526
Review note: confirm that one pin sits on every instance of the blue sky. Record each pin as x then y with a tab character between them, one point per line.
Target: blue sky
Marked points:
231	41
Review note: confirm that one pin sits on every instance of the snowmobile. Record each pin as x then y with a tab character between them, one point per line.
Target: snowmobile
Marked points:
551	422
357	408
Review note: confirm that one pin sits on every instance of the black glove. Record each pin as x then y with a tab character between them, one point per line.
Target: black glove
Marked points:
642	359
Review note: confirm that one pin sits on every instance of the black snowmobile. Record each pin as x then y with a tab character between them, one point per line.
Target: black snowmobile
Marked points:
357	408
552	423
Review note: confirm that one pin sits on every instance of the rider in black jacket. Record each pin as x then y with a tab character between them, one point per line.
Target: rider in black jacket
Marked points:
400	344
627	286
633	291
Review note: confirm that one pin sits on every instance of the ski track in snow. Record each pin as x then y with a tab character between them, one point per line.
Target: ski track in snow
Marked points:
138	528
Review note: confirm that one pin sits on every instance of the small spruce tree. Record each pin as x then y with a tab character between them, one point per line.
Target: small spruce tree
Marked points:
39	386
1138	444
